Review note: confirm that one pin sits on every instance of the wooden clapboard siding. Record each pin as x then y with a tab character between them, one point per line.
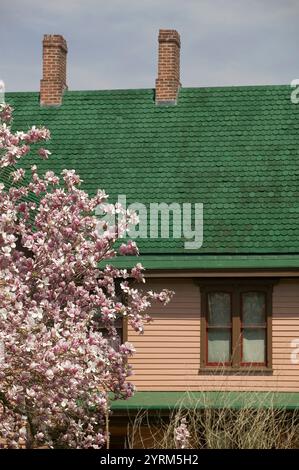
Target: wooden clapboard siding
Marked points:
168	354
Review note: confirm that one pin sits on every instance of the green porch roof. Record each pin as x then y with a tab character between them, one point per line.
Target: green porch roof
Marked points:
175	400
234	149
211	262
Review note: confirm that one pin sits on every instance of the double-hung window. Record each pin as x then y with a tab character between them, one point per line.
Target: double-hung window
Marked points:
236	324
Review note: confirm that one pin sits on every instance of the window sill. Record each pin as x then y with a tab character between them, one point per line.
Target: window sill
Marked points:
235	371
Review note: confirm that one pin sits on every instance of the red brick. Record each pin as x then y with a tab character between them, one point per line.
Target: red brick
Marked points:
168	81
53	83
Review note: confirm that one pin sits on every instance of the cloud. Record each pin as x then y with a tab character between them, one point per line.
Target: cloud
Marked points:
114	44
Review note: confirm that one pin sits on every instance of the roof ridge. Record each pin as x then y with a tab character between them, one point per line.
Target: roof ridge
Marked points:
137	90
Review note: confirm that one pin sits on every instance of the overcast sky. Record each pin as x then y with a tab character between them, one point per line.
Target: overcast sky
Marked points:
113	43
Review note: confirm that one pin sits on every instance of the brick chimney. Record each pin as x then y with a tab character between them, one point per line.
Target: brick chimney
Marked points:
168	81
53	83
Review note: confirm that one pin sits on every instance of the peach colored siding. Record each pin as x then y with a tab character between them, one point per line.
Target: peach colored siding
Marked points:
168	353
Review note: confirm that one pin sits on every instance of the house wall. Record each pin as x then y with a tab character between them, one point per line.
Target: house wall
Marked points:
168	354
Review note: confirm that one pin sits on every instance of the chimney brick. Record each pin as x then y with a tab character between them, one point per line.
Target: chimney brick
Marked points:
53	83
168	81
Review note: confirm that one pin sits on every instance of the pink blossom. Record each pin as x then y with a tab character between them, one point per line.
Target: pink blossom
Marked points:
18	175
58	365
44	153
129	249
182	435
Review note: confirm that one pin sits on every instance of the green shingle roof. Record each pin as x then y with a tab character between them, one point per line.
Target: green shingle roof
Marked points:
5	176
234	149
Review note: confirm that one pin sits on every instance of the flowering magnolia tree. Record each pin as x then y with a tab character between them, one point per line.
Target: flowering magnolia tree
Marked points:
57	367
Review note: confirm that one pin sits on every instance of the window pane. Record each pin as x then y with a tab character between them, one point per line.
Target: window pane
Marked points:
115	342
253	308
118	324
219	345
219	309
254	345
